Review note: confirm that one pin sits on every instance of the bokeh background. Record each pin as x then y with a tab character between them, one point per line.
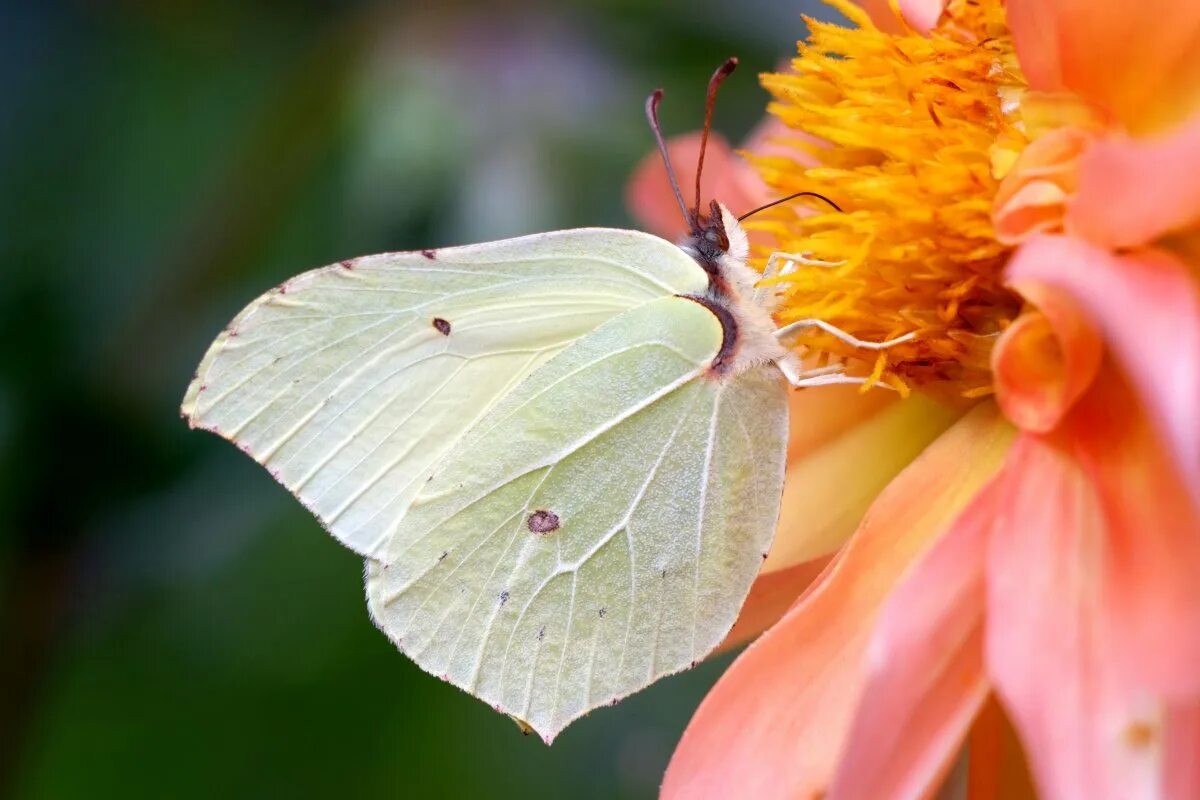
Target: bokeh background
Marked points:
172	624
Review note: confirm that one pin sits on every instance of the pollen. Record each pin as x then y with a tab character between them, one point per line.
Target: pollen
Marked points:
909	134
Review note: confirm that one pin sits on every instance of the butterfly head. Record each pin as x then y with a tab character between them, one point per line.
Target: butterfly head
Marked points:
716	239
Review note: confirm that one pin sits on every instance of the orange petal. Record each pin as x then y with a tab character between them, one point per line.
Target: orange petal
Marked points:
893	16
818	418
1147	307
829	487
772	137
1089	732
772	594
996	765
726	178
1182	758
1035	30
1132	191
925	678
1045	360
1138	61
1032	198
1151	556
774	723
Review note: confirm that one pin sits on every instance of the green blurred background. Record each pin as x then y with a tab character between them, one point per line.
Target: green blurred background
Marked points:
172	624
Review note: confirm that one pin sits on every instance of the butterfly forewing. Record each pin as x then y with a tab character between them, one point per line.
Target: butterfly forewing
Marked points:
349	381
598	529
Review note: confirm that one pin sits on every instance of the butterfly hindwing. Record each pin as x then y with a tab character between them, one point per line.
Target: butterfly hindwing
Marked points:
598	529
348	382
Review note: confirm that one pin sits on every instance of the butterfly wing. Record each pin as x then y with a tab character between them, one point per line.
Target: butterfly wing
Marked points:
600	529
348	382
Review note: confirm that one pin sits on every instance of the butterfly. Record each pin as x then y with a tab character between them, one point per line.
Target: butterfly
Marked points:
561	455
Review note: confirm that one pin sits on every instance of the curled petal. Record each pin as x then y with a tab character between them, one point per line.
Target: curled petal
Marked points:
726	177
829	487
1045	360
1138	61
1147	307
1088	730
1033	195
787	701
1132	191
925	679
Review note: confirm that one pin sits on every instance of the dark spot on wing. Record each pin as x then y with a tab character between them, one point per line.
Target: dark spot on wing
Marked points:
443	555
603	611
430	254
542	521
347	264
541	633
504	597
443	327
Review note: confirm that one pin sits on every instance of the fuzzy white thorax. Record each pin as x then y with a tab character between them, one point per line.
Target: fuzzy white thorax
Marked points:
757	341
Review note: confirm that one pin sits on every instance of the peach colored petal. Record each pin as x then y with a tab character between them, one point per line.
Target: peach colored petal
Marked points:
1147	306
772	594
1182	758
1088	733
1033	195
1139	61
817	418
996	765
726	178
774	723
1150	600
1035	30
772	137
827	489
1045	360
925	678
1132	191
1034	207
918	15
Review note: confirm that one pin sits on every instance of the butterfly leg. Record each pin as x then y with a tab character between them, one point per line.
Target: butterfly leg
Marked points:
780	263
793	261
841	335
825	376
819	376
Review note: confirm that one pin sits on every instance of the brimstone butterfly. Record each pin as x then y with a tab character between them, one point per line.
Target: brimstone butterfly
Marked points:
561	455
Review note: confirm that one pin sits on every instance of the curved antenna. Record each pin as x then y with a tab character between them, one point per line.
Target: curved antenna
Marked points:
652	114
710	101
790	197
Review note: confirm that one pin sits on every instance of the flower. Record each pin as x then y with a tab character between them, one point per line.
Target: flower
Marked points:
1019	182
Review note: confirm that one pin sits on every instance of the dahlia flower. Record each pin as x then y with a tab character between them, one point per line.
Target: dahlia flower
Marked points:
1020	192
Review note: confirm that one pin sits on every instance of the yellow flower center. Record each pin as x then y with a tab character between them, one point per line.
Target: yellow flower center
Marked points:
909	134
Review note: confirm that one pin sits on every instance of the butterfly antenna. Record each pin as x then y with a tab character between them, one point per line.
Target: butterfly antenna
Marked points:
789	197
652	114
710	102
